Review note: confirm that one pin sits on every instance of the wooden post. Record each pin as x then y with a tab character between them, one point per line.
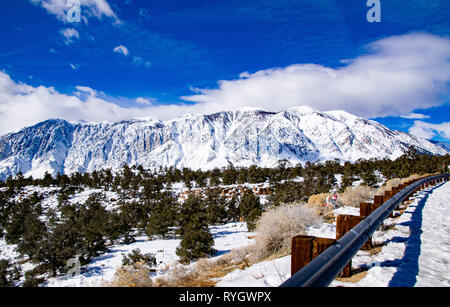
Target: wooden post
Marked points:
378	200
365	209
301	252
305	249
344	223
388	194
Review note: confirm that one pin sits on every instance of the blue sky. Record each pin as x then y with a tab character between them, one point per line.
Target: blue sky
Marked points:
163	58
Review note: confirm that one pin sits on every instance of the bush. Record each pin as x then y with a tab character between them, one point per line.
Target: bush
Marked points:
137	275
317	203
277	226
136	257
353	196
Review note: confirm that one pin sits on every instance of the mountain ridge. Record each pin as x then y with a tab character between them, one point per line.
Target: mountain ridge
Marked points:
243	137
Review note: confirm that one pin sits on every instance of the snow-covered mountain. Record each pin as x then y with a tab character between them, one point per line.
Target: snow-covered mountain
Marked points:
244	137
444	145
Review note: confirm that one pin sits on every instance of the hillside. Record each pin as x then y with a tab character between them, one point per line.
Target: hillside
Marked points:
241	138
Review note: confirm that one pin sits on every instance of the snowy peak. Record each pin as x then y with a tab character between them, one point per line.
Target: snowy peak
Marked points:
243	137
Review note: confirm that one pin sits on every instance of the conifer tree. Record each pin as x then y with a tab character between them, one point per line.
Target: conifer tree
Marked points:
196	240
250	208
162	217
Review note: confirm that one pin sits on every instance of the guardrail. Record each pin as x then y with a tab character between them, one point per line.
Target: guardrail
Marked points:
330	257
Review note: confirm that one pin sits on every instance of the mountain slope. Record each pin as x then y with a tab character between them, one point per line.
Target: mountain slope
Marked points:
242	138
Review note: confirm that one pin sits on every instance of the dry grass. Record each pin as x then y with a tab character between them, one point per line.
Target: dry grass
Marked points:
137	275
354	278
389	185
317	203
353	196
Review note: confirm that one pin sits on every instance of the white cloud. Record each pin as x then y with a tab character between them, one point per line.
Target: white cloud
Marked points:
398	75
415	116
122	50
428	131
92	8
24	105
70	35
86	89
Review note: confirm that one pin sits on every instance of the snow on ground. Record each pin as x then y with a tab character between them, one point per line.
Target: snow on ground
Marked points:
415	252
264	274
102	268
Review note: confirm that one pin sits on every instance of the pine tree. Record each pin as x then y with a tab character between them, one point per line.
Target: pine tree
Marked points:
135	256
215	207
162	217
196	240
93	222
250	208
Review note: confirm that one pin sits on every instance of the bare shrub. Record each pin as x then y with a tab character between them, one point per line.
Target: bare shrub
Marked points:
317	203
353	196
136	275
318	199
277	226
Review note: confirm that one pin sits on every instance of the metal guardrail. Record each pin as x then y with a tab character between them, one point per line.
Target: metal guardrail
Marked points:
326	267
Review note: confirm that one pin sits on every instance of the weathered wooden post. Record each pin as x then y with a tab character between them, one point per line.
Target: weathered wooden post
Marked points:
378	200
344	223
305	249
365	209
301	252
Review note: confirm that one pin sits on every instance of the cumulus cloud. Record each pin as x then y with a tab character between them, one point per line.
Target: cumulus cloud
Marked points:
90	8
396	76
428	130
24	105
69	35
121	50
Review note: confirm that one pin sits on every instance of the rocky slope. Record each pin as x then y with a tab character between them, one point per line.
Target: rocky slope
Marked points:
244	137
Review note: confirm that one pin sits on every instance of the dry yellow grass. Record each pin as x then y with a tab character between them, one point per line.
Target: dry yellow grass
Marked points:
354	278
137	275
317	203
353	196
